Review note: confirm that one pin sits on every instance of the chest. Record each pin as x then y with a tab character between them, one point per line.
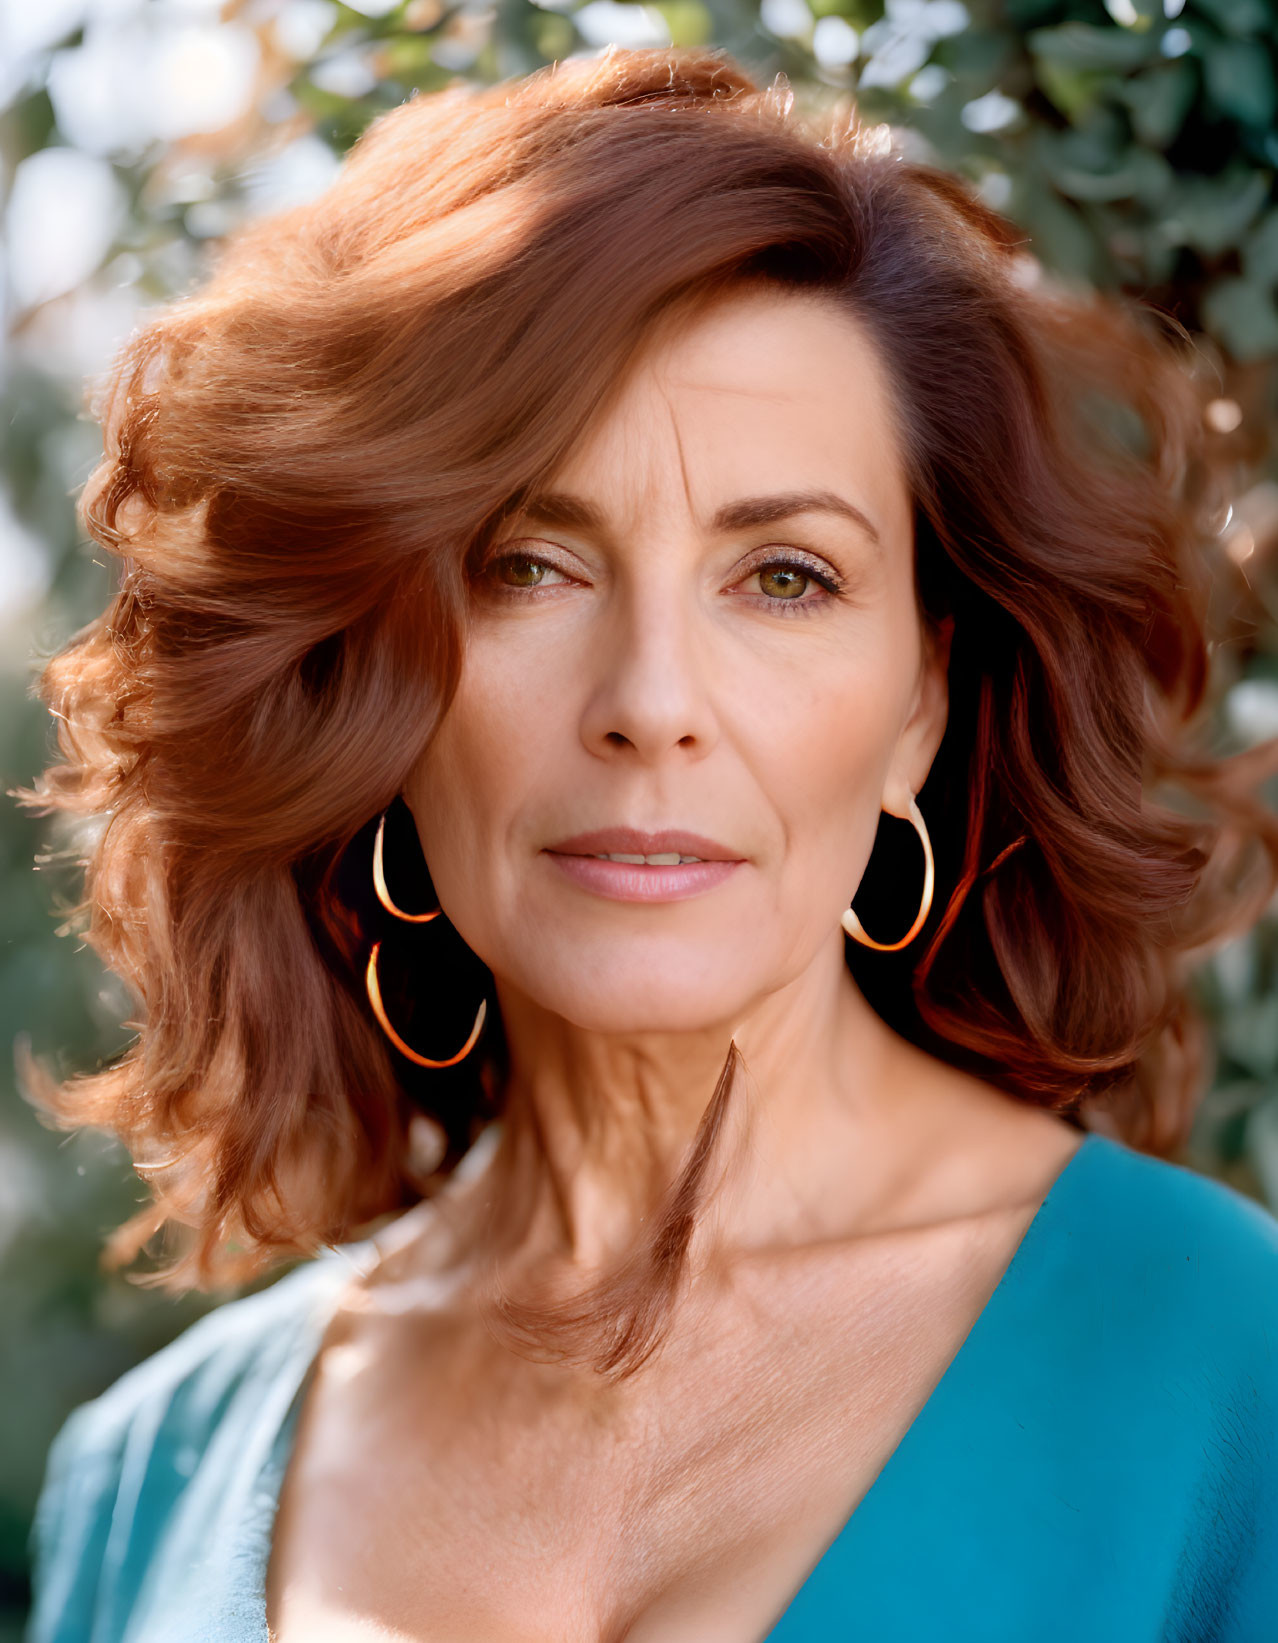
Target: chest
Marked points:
442	1489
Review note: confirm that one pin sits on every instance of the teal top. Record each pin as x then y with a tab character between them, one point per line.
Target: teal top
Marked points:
1099	1460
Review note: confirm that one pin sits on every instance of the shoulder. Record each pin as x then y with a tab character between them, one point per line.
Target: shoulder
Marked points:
1182	1228
1181	1276
1177	1258
1161	1284
120	1462
189	1381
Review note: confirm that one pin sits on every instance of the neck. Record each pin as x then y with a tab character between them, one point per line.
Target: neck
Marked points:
597	1126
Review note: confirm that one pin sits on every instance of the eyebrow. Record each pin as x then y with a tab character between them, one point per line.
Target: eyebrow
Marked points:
558	508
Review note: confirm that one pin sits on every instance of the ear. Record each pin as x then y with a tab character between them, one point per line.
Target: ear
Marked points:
922	732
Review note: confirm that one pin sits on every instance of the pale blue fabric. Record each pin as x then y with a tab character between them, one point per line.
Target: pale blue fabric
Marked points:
1099	1464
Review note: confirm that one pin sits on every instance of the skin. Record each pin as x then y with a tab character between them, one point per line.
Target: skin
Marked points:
658	671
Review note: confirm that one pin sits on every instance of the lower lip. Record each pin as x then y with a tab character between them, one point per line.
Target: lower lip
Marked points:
630	881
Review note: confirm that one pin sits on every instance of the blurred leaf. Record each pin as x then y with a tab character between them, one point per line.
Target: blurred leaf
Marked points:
554	35
1154	178
1076	92
1237	16
1157	257
1240	78
1160	99
1060	237
1087	46
1250	1035
978	57
1243	316
1213	213
1094	144
1262	1145
29	123
1028	14
689	22
1260	251
406	58
1084	165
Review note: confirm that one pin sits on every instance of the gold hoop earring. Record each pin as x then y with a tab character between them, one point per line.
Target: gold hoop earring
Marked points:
379	881
373	986
379	1010
852	924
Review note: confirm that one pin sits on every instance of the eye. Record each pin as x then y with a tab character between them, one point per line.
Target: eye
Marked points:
783	582
521	570
793	582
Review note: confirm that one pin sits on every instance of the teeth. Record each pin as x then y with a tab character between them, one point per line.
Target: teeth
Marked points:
668	858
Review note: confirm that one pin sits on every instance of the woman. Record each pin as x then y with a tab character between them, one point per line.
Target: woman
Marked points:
546	559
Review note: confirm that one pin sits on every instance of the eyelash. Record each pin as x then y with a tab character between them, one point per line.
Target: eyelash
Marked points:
825	579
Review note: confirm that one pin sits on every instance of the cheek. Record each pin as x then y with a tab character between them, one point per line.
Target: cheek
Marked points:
469	787
819	725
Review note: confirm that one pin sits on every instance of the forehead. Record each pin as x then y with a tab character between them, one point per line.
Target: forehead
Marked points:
762	390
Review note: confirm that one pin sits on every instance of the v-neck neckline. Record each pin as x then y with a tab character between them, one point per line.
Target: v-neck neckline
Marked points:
1015	1274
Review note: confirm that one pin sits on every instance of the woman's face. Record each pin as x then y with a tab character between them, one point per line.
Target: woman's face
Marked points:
707	627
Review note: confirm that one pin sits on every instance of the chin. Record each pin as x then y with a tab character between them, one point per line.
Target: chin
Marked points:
625	998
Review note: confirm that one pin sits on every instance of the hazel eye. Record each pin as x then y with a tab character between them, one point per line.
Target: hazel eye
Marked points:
783	582
792	584
521	570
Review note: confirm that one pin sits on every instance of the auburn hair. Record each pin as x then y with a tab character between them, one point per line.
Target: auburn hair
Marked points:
303	460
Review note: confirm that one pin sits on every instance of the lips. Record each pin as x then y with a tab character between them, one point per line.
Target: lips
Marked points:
686	865
633	841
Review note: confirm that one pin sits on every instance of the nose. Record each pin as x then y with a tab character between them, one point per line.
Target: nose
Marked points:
650	689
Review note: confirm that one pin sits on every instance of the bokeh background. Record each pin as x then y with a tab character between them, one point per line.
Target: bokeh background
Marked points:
1135	141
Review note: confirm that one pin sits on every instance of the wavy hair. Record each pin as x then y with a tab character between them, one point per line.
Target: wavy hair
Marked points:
303	460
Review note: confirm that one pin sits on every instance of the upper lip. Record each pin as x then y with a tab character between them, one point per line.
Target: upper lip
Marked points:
632	841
